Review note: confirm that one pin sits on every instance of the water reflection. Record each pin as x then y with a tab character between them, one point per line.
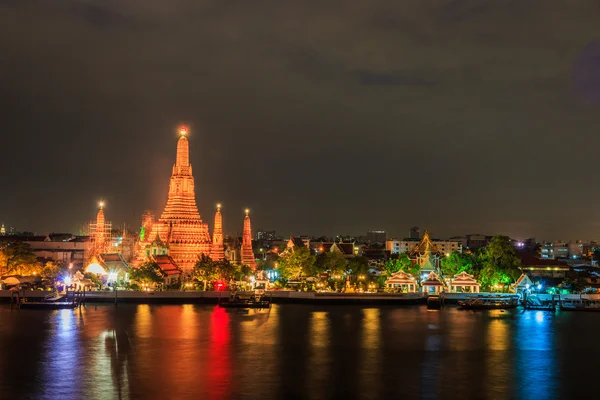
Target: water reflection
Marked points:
536	370
320	357
370	360
294	352
219	355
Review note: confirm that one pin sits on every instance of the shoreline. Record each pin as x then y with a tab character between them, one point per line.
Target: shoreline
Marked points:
276	297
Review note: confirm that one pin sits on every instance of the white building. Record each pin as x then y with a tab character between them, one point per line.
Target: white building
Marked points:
395	246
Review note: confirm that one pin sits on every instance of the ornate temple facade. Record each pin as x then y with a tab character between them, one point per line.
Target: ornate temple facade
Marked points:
426	255
100	235
180	227
217	251
247	252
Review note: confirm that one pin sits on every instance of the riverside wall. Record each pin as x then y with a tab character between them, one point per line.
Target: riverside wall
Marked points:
213	297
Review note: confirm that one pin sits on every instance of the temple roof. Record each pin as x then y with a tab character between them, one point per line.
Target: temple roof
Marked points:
167	264
112	262
432	279
425	246
523	280
401	278
344	248
464	279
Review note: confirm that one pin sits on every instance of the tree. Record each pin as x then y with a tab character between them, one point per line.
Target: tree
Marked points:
296	262
208	271
51	271
205	270
498	262
17	258
334	263
456	263
402	263
148	273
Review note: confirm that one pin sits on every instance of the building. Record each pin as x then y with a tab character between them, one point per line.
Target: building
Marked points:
180	226
544	268
63	248
100	234
427	255
554	250
376	236
265	235
247	251
414	233
395	246
476	241
217	251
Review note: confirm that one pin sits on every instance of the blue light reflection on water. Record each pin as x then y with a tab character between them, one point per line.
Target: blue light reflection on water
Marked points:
536	371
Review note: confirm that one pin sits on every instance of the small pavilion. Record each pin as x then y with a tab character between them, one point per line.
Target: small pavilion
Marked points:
522	284
464	282
433	284
402	281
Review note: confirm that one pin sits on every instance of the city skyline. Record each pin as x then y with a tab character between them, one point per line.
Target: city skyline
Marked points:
445	123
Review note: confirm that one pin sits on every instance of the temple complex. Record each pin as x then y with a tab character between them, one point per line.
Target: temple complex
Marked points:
179	227
217	251
247	252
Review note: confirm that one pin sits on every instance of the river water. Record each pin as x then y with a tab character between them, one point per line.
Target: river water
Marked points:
296	352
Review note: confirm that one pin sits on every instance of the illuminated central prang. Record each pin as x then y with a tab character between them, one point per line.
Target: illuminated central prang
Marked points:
180	227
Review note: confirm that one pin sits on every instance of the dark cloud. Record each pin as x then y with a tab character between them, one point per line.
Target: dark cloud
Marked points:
323	117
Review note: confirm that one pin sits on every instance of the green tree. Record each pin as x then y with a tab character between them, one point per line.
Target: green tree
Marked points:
148	273
296	262
334	263
498	263
205	270
456	263
402	263
16	257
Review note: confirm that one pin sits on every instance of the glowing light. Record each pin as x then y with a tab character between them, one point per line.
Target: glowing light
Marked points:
527	286
247	211
95	268
219	206
112	277
68	280
101	204
183	130
539	287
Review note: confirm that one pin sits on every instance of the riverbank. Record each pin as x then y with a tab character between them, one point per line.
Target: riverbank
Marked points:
276	297
214	297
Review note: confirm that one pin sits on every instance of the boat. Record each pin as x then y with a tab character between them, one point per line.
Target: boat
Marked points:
580	305
246	300
489	303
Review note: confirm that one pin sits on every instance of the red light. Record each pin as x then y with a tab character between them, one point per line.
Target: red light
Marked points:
219	286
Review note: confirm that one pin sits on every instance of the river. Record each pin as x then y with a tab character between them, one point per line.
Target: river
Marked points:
296	352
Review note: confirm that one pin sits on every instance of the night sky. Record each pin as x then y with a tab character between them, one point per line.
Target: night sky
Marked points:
322	117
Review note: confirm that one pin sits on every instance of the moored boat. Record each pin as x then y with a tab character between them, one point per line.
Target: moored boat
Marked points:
489	303
580	305
244	300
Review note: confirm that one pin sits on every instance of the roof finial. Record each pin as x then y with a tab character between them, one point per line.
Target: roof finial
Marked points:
219	207
101	204
247	211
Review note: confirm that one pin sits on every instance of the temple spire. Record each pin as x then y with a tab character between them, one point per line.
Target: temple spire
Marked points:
216	252
247	252
183	148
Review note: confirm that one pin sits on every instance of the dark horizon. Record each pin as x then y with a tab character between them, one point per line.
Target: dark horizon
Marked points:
458	117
